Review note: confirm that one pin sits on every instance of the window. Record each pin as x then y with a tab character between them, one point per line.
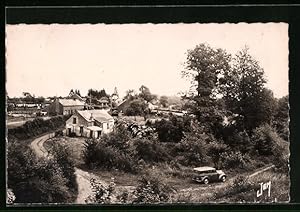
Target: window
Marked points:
81	129
74	120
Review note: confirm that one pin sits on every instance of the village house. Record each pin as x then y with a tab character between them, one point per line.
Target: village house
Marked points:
65	106
73	95
89	123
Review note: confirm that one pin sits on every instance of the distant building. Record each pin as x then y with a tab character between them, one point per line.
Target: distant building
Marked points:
115	95
73	95
90	123
65	106
103	102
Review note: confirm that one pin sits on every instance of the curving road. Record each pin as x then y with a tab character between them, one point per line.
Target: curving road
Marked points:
82	177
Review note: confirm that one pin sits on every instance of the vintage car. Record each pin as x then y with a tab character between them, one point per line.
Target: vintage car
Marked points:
208	174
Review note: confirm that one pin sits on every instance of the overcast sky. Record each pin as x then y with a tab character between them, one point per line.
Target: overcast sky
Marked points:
49	60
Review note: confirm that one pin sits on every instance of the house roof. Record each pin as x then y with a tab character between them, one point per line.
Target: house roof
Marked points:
98	115
75	96
71	102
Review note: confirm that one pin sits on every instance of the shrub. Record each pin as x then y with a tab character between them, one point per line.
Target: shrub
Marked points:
152	189
36	127
101	193
150	150
63	158
264	140
172	130
192	149
35	180
98	154
233	160
240	185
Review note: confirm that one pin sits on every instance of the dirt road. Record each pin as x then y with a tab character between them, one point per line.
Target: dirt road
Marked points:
82	177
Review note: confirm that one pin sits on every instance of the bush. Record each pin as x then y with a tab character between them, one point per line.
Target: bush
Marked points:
236	189
98	154
233	160
192	149
35	180
172	130
101	193
150	150
36	127
152	189
62	157
263	138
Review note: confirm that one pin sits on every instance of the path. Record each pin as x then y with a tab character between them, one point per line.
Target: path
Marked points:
82	177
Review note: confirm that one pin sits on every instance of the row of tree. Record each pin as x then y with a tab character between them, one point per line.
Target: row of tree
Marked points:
233	87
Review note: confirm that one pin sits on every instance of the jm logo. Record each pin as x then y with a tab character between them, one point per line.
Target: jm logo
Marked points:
264	187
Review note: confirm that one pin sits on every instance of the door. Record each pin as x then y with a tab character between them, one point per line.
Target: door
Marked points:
99	133
91	134
81	130
69	131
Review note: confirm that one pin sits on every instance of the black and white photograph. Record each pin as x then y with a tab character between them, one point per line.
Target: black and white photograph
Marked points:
130	114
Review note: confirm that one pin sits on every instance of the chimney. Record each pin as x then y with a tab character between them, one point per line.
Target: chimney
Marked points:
91	118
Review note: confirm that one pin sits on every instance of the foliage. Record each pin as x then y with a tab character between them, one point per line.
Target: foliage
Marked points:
265	140
268	144
281	118
242	87
101	194
119	138
98	154
35	180
192	149
172	130
234	160
97	94
203	66
130	95
146	94
36	127
238	186
136	107
62	156
152	189
150	150
163	100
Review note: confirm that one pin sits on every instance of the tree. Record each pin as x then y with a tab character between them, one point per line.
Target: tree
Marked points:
35	180
136	107
281	117
244	93
146	94
130	95
204	65
172	130
163	101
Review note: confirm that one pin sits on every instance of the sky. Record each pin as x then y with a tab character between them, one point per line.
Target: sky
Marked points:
49	60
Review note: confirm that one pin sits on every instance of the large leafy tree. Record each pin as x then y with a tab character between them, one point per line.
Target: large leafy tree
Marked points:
136	107
146	94
204	65
242	87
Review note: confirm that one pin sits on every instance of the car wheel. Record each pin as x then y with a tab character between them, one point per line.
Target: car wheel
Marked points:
223	178
205	181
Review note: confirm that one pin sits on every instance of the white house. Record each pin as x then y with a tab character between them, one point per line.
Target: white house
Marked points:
90	123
